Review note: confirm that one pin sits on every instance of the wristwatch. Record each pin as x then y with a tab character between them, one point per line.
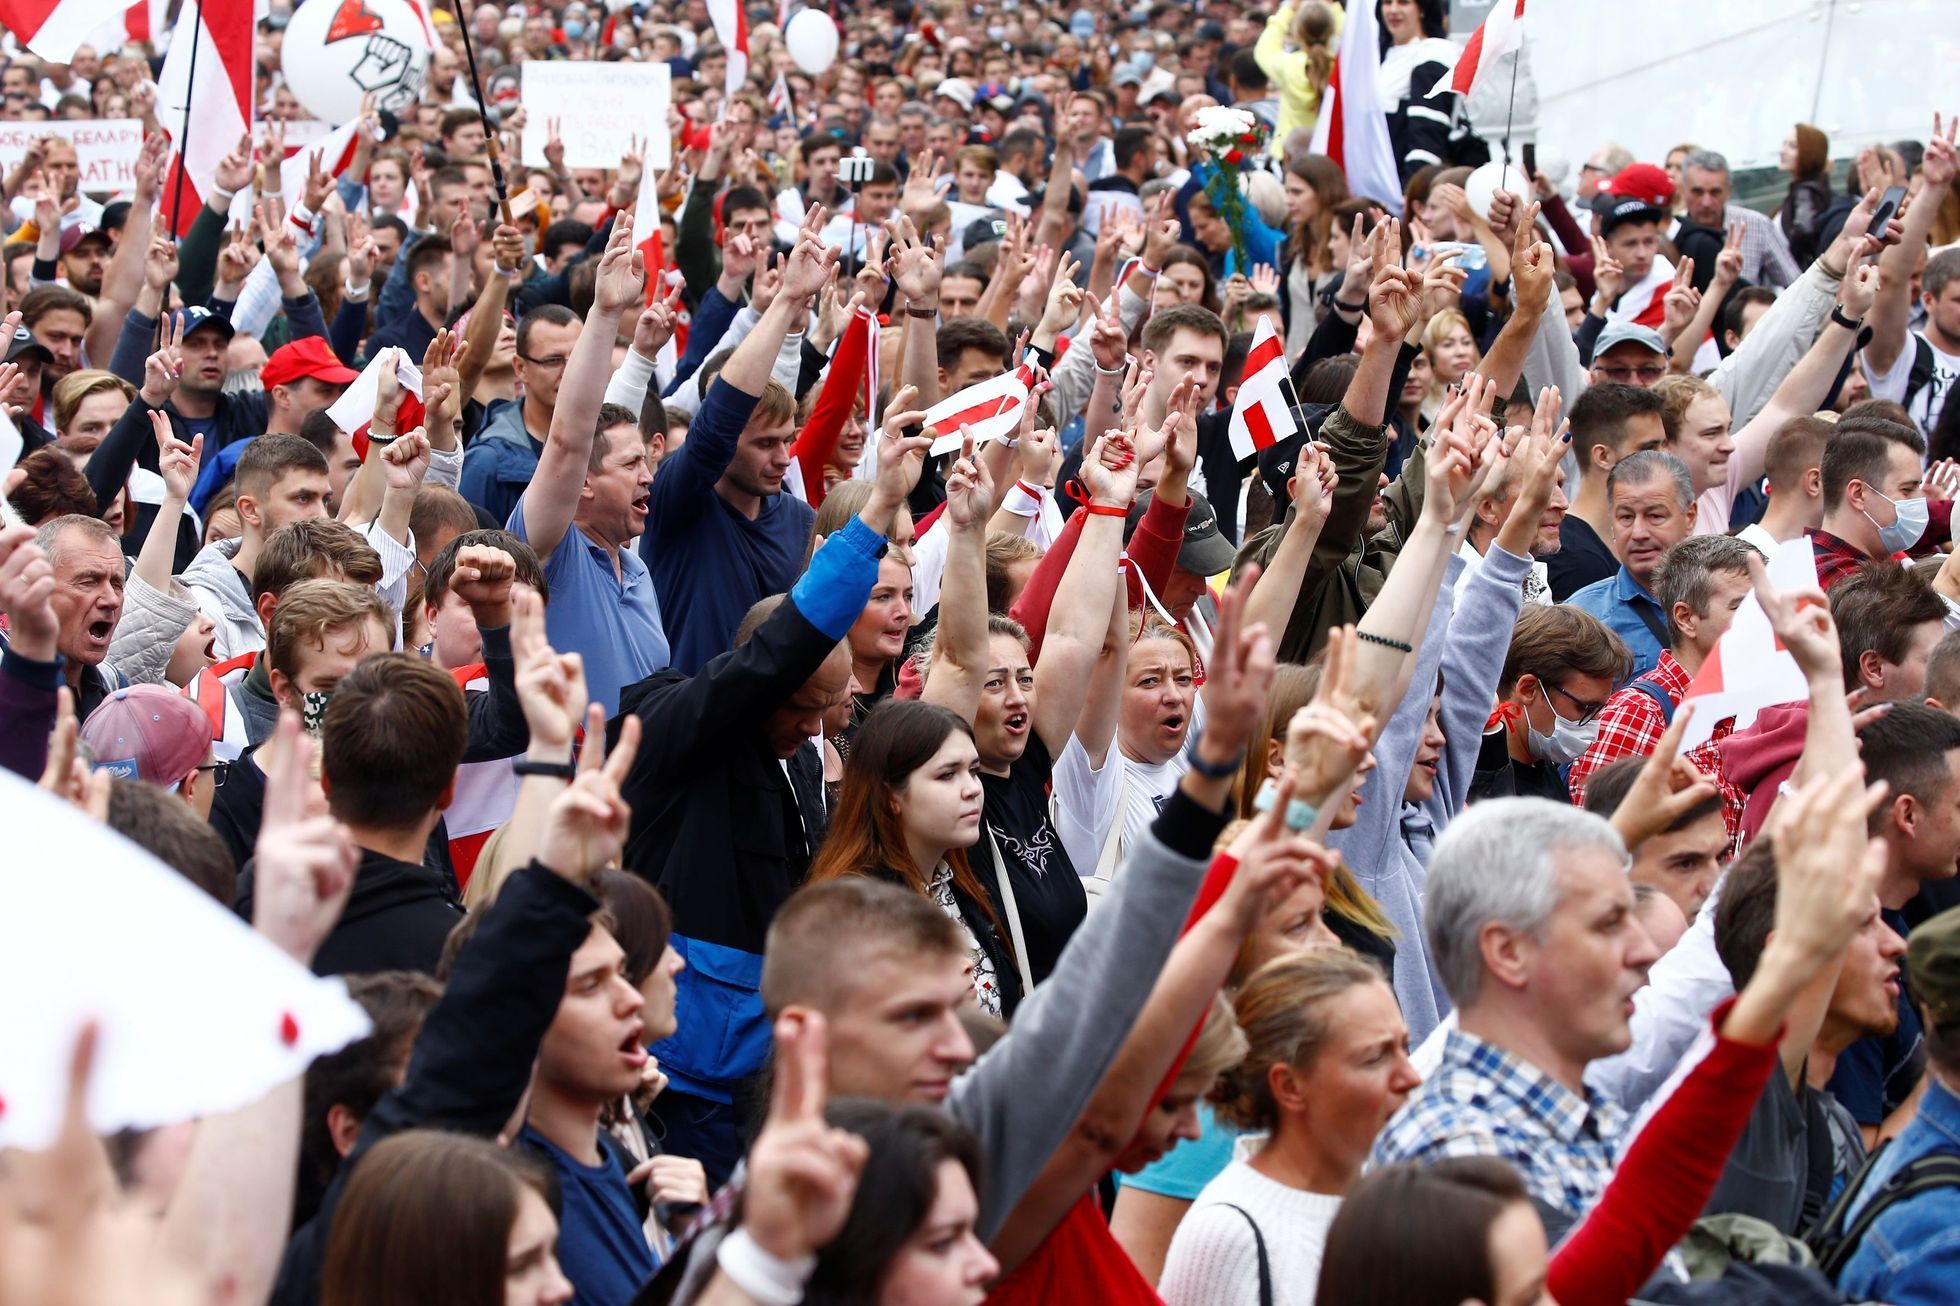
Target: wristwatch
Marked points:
1209	770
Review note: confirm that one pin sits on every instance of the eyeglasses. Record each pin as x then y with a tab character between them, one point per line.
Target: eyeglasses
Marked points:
553	364
220	772
1590	167
1587	710
1632	375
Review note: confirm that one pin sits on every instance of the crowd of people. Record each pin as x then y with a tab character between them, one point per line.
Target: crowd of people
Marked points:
798	837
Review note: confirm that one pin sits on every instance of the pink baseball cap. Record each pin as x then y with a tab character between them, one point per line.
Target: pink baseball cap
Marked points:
148	733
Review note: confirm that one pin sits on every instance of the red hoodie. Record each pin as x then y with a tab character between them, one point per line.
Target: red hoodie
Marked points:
1756	760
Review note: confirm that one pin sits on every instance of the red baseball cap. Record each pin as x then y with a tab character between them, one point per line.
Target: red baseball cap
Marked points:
1640	181
307	356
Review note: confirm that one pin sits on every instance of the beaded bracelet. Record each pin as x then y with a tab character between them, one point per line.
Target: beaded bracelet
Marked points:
1385	641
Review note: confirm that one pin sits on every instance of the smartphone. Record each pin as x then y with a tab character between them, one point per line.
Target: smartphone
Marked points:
1530	156
1888	208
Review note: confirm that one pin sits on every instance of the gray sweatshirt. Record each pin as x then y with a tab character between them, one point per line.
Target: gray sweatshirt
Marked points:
1388	845
1024	1096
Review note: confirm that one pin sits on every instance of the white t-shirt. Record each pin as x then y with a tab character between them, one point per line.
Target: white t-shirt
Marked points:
1925	406
1089	803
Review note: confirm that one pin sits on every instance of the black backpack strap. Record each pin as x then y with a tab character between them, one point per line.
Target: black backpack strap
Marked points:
1834	1243
1258	1245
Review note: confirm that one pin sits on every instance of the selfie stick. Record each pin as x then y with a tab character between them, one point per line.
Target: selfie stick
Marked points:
489	136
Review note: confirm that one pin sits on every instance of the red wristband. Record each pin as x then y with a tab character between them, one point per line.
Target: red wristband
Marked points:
1105	510
1028	490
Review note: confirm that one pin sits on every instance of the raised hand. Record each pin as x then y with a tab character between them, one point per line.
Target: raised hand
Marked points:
913	265
1442	286
1109	470
304	859
1860	286
550	685
237	257
27	594
162	368
1942	480
1942	159
969	489
1828	866
1394	300
234	170
1160	234
1728	264
150	163
387	394
1238	676
1360	265
442	382
483	579
802	1173
1064	306
655	325
1265	279
622	279
281	247
810	262
1533	266
585	831
1109	343
1802	621
1274	859
1330	737
1679	304
1608	278
176	461
319	183
1313	484
406	460
1668	787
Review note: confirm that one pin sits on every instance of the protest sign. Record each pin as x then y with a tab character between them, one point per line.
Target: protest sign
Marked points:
599	108
105	150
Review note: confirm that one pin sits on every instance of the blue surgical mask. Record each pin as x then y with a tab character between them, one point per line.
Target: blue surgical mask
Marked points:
1909	520
1143	60
574	29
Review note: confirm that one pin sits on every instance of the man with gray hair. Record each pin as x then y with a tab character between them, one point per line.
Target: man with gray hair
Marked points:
1529	916
1766	257
86	554
1651	496
1699	585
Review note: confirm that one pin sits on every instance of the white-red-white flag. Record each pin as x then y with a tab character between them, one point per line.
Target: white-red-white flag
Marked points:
732	30
147	20
1501	32
220	102
54	29
991	410
1352	129
1644	303
1749	669
1261	416
780	101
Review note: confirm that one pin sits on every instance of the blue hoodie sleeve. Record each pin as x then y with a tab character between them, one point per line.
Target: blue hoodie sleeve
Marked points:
1489	604
831	593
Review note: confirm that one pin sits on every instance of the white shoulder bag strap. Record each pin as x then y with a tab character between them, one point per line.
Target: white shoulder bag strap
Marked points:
1010	910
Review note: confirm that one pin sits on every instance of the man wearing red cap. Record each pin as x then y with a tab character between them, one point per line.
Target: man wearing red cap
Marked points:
301	376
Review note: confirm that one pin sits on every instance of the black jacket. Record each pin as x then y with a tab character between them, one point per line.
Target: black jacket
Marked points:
472	1060
397	918
717	827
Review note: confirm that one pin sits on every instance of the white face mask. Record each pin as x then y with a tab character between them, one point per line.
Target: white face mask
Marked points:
1568	740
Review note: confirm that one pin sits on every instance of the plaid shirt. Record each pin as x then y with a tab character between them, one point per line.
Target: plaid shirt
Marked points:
1631	725
1766	258
1835	558
1708	758
1482	1101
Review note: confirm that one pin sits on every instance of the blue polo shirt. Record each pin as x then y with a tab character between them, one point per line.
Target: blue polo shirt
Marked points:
611	620
1629	612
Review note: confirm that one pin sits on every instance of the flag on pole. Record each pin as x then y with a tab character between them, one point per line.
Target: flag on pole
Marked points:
732	30
1261	417
1749	669
1501	32
990	409
147	20
54	29
1353	127
220	104
780	102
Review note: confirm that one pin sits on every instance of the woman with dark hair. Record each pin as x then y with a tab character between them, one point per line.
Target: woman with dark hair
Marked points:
442	1219
1314	184
909	810
910	1234
1806	156
1457	1230
1416	54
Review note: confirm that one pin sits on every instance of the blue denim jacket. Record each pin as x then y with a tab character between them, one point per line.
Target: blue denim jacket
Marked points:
1911	1255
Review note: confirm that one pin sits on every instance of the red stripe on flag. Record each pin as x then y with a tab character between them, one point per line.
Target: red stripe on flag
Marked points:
1335	135
1466	61
1271	349
1258	427
984	411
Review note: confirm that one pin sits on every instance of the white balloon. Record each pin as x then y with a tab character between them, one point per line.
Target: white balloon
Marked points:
812	40
335	50
1480	186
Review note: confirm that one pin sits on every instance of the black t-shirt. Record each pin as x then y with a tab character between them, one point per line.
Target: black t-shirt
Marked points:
1047	892
1582	558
